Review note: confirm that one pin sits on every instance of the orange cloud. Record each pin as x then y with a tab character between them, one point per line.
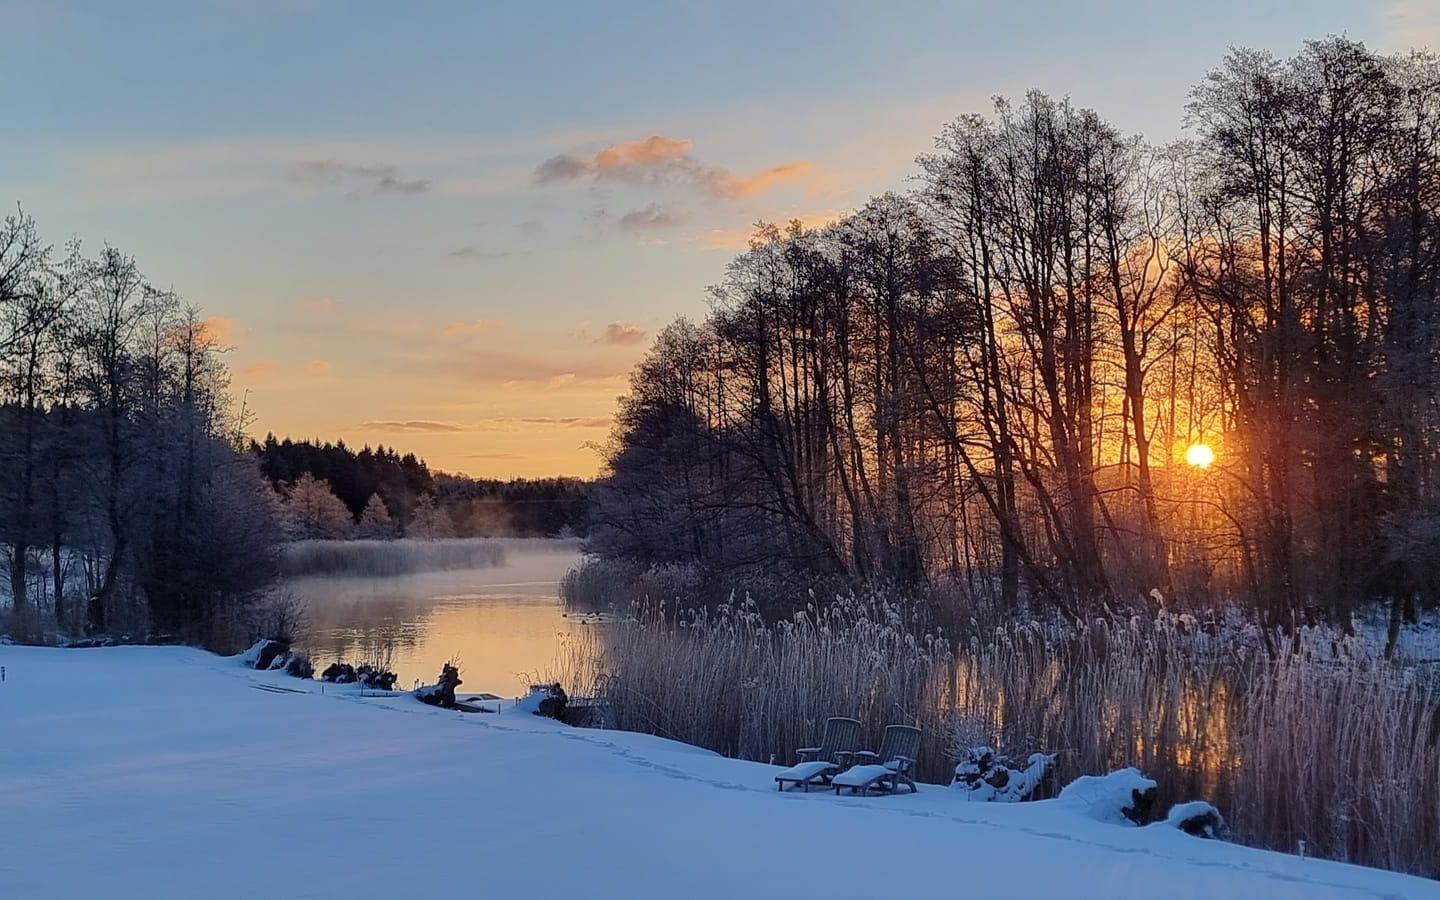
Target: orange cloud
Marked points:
316	368
219	329
659	161
479	326
735	187
653	150
261	369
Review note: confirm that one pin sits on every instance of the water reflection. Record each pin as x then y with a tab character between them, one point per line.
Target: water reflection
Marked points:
504	623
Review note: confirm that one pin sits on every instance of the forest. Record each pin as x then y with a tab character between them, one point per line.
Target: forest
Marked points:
1079	372
384	493
127	504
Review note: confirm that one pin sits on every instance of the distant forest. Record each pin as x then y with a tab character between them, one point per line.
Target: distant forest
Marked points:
447	505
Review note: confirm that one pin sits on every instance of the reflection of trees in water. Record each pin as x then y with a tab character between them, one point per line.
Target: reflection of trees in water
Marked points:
369	630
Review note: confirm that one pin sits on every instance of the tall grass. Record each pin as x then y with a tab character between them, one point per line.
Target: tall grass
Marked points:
1329	745
387	558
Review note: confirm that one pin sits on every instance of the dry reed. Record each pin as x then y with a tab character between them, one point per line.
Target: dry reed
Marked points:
1329	745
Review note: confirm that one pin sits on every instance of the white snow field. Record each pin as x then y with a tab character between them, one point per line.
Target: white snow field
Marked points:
143	772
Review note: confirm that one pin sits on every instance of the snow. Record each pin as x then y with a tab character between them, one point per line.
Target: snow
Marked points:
859	776
163	772
806	770
1104	797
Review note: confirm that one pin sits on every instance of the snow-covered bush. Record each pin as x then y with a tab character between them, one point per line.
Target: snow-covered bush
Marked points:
548	700
989	777
1197	818
1124	797
375	677
263	653
339	673
299	666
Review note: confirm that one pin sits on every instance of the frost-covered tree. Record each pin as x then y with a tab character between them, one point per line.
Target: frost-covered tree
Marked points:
431	521
313	512
375	521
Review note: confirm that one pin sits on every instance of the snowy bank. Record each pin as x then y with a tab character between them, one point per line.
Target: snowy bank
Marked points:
164	772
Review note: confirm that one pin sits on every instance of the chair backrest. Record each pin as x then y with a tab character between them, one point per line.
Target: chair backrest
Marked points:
899	740
842	735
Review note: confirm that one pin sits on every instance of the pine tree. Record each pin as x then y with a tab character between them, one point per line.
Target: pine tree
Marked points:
313	512
375	520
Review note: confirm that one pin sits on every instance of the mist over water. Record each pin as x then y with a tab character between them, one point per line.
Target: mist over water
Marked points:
504	622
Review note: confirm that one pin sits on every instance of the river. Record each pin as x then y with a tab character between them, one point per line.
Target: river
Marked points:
504	623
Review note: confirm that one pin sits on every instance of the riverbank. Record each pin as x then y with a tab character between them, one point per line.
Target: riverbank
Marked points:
169	772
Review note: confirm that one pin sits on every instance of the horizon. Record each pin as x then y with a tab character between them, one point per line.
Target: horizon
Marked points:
455	231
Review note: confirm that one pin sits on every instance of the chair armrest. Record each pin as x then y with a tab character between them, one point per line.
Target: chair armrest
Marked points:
900	764
867	755
804	753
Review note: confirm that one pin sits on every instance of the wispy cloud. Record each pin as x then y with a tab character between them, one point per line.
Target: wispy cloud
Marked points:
652	217
318	305
316	368
493	423
377	178
1413	23
659	161
520	369
474	251
621	334
509	423
412	426
478	326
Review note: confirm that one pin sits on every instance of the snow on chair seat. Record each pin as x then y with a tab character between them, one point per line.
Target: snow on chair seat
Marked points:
803	772
819	764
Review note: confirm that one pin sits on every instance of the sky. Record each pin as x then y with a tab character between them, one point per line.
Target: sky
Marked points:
453	228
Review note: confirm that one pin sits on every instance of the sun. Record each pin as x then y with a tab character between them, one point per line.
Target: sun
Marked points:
1200	456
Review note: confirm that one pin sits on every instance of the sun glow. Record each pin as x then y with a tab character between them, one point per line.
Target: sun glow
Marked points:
1200	456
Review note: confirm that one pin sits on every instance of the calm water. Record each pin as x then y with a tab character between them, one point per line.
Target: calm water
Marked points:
505	624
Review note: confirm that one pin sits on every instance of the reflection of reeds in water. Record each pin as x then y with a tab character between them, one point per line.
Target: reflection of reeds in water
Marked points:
1338	750
388	558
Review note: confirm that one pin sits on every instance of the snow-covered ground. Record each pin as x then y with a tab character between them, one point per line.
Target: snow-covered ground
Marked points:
157	772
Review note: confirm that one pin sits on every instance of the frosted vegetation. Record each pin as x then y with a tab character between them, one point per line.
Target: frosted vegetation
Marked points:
372	558
1326	742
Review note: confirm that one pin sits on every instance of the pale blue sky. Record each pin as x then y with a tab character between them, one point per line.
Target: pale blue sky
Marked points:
353	186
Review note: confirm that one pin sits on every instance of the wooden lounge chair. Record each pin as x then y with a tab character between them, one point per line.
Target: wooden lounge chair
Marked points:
818	765
887	770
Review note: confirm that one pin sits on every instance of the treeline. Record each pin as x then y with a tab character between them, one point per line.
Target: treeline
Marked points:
995	379
330	491
124	507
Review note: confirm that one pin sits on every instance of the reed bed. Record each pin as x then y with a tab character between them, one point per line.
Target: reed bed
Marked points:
371	559
1326	744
